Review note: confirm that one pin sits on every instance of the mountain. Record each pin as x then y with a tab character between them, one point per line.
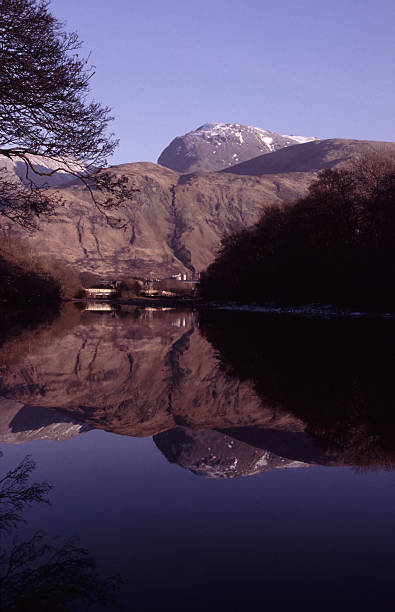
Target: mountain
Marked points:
215	146
310	157
40	170
175	222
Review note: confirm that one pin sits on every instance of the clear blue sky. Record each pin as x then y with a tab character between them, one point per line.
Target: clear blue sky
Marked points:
306	67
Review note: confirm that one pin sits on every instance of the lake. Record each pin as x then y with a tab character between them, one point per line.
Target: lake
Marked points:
212	460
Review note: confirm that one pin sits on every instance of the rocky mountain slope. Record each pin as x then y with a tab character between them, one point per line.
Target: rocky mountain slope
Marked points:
310	157
175	222
42	170
215	146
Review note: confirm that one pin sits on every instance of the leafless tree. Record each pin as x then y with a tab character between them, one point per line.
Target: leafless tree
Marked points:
45	110
16	493
40	574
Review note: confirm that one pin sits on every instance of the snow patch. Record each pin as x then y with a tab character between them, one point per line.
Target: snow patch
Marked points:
300	139
262	461
268	141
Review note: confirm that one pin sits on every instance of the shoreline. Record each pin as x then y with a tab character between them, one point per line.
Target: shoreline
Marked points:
312	310
146	302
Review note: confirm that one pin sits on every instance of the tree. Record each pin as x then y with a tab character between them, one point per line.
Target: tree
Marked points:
40	574
334	245
45	110
16	493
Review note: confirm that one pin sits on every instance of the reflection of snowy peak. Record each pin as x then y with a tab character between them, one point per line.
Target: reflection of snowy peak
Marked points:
19	423
217	454
216	146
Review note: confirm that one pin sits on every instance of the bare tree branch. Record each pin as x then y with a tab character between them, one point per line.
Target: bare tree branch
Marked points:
45	110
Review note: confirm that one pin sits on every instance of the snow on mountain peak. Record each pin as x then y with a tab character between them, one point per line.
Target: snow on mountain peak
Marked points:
216	146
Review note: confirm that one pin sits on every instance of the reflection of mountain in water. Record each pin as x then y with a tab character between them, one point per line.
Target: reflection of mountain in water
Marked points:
19	423
220	454
135	372
227	393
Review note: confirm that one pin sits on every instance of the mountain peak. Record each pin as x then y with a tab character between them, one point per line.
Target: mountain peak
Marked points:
216	146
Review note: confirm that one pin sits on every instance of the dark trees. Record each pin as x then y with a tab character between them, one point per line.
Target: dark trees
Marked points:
45	110
335	245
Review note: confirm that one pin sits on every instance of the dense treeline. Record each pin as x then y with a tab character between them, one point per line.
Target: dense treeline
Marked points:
335	245
31	289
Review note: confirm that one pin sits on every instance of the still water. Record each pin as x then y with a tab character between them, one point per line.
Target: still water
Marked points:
210	461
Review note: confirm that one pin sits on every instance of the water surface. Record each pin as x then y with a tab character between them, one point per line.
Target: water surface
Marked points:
220	461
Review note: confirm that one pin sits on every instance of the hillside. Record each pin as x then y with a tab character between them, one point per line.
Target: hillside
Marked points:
310	157
175	221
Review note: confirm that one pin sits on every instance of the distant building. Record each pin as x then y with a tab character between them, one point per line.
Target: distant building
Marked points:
103	290
175	286
95	307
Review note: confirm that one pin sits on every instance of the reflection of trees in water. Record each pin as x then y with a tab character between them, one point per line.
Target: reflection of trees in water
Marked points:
338	375
16	493
36	574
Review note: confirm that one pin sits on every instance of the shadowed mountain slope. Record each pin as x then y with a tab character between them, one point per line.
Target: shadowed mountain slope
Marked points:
310	157
19	424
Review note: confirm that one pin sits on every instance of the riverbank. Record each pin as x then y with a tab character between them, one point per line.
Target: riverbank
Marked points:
315	310
151	302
